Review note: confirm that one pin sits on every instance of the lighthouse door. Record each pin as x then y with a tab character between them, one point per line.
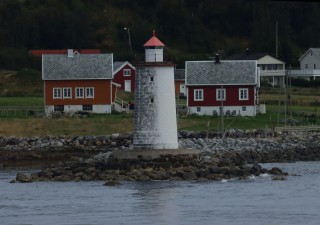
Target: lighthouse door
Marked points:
127	85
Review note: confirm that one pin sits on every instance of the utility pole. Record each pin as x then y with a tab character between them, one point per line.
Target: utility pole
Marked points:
221	111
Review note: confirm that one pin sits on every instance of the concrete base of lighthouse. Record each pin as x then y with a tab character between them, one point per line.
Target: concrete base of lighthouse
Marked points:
152	153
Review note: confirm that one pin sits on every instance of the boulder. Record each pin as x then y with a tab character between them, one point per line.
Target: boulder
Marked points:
23	178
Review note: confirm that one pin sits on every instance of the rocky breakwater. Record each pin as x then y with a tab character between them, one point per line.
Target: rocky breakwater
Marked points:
235	153
17	151
167	167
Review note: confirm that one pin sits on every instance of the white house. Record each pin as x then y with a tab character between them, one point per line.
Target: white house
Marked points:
309	65
271	69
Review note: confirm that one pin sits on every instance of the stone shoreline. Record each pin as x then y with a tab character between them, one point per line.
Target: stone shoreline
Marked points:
237	154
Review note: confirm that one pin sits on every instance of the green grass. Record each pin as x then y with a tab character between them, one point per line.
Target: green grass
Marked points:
21	101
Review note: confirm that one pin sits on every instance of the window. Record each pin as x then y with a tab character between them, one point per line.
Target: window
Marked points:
244	108
86	107
79	92
306	66
126	72
66	92
58	108
243	94
198	95
151	78
56	93
151	100
89	92
221	94
314	66
198	109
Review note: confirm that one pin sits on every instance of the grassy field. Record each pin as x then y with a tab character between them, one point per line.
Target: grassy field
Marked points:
21	124
121	123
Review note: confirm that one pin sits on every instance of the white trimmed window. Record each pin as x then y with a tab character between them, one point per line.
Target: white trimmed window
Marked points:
67	93
89	92
198	94
79	92
126	72
243	94
221	94
56	93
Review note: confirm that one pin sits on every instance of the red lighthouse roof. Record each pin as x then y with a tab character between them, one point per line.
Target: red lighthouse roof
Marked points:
153	41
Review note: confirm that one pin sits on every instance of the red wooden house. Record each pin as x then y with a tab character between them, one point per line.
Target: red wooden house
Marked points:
124	74
78	82
180	82
228	87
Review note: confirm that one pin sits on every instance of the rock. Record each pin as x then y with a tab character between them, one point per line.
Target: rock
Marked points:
276	171
279	178
23	178
189	176
112	183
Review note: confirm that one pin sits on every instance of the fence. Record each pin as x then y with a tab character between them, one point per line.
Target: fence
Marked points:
298	128
22	111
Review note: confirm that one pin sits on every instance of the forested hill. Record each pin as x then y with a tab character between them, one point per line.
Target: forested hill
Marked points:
191	29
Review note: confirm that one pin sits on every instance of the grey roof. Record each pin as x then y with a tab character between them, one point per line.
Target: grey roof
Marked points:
316	51
225	72
78	67
179	74
117	65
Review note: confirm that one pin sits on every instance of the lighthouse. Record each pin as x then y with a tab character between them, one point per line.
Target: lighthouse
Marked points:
155	122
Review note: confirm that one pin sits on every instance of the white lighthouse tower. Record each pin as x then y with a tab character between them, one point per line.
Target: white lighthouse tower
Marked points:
155	122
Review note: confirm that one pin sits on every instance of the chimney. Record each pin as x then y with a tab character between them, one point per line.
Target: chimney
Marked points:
217	59
247	51
70	52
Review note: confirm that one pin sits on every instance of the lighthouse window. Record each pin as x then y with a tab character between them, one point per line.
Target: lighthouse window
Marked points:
151	100
151	79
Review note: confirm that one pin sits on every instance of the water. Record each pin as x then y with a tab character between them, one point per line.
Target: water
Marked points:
258	200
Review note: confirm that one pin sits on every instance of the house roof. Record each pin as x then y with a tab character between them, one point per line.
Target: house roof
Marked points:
117	66
179	74
315	51
153	42
226	72
78	67
40	52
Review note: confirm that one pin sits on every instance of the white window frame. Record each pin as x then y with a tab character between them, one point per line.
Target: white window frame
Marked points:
67	93
198	94
126	72
243	94
56	93
218	94
77	92
89	92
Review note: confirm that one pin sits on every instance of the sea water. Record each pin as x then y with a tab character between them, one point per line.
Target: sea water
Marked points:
257	200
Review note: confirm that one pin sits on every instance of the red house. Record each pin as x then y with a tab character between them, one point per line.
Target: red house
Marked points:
228	87
124	75
78	82
180	82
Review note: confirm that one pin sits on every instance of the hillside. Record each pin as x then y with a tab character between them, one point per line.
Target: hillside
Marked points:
22	83
191	29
